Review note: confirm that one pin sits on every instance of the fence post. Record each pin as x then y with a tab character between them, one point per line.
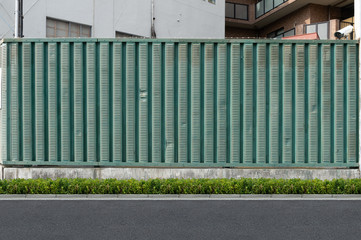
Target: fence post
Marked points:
357	27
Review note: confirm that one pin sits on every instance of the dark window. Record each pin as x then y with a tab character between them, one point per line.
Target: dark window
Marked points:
280	33
275	33
264	6
237	11
289	33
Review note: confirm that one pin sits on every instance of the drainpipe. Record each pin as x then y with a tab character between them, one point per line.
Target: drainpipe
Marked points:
152	30
357	28
93	27
329	12
19	19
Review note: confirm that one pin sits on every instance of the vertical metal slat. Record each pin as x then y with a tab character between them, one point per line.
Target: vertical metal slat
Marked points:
104	102
27	106
196	103
208	150
78	103
221	103
300	105
274	120
339	102
287	105
248	105
169	103
156	104
65	102
130	103
183	124
143	103
53	102
117	102
261	120
351	104
235	107
91	104
14	103
313	105
326	105
4	103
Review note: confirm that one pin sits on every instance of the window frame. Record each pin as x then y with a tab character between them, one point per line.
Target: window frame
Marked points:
234	11
292	29
274	33
129	35
264	7
281	34
69	30
316	24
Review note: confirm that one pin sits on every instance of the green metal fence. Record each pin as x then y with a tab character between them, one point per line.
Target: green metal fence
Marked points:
135	102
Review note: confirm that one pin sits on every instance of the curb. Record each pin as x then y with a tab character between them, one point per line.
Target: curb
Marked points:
182	197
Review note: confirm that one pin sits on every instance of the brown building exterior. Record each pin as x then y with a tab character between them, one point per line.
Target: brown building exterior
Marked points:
282	18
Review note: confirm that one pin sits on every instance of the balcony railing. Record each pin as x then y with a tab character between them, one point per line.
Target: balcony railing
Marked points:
237	11
264	6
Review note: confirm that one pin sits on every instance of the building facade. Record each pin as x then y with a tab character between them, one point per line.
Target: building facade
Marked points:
116	18
283	18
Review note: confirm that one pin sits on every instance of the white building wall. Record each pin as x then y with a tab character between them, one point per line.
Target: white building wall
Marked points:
133	17
7	8
103	24
173	18
70	10
35	17
190	19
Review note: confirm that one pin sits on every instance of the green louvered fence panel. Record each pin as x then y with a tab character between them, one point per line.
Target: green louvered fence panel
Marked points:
181	103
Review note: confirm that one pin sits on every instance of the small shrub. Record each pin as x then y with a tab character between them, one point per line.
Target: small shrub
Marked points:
180	186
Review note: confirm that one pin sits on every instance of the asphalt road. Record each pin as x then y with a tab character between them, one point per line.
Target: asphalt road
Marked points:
180	219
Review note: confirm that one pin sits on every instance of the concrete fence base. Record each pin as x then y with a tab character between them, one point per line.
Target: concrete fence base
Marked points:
148	173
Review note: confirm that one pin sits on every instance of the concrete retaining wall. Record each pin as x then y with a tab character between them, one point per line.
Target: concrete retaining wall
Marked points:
147	173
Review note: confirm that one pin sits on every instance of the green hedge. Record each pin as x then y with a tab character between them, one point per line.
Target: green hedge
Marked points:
180	186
